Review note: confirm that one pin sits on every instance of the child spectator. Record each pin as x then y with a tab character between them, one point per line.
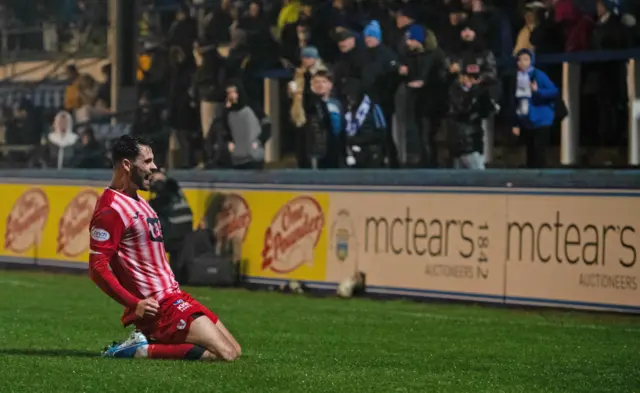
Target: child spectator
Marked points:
535	98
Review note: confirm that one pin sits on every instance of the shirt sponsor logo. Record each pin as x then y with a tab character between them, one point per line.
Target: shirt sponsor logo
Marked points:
100	235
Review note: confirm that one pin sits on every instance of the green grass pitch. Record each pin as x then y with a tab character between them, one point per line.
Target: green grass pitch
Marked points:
52	328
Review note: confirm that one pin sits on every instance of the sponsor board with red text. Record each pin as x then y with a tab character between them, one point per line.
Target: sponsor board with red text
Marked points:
73	233
233	219
26	221
284	233
47	222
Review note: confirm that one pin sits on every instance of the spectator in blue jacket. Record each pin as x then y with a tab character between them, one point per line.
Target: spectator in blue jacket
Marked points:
535	98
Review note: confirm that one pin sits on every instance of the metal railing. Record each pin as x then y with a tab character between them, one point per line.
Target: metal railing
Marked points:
48	41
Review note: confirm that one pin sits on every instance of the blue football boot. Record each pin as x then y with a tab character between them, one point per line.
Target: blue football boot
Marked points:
127	348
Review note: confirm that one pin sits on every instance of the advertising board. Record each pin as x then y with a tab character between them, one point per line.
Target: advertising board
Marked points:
574	249
283	233
46	222
566	248
448	244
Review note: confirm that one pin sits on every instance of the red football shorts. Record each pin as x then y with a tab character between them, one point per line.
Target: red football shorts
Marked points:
174	318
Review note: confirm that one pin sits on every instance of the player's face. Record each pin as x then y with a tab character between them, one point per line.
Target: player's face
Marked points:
142	167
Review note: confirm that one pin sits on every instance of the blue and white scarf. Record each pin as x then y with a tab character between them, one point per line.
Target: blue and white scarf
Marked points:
353	125
523	92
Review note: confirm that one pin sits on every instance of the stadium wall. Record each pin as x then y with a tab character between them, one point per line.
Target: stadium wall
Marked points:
551	238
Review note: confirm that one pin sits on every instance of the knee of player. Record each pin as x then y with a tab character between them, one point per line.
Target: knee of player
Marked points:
229	354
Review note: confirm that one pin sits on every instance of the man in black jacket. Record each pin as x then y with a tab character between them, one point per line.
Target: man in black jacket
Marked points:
469	103
176	217
352	61
379	78
420	98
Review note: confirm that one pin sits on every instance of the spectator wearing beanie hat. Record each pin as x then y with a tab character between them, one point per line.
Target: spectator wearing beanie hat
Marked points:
405	100
300	87
405	20
379	78
372	34
418	109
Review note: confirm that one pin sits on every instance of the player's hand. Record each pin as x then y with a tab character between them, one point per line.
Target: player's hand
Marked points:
534	86
147	307
516	131
403	70
454	68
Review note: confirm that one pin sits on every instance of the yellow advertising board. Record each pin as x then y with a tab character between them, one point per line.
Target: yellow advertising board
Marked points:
46	222
283	233
444	244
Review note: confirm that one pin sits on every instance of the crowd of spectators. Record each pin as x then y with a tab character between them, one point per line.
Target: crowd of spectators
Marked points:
31	26
373	83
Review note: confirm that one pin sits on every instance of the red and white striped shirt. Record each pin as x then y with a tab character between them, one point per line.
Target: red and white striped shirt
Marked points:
127	238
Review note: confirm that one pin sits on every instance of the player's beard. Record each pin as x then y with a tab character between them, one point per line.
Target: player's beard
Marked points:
140	179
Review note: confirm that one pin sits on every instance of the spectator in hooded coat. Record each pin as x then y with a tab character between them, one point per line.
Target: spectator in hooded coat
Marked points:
244	129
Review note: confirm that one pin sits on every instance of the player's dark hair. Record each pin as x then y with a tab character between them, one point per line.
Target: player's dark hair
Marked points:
126	147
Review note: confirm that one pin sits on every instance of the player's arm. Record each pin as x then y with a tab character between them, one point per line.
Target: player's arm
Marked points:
106	232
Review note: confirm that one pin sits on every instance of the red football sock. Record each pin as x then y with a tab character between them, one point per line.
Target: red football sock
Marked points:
174	351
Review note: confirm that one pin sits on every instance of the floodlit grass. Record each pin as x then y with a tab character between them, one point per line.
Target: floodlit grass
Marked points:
52	328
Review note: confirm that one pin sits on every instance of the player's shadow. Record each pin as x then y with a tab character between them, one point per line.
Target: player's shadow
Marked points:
48	352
